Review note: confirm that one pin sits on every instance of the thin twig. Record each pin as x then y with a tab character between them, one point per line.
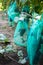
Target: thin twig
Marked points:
29	15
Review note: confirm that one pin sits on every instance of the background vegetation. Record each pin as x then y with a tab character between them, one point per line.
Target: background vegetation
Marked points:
36	5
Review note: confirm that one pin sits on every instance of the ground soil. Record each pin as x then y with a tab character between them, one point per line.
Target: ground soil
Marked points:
8	31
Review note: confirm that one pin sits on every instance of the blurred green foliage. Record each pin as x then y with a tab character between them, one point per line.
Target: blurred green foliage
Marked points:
35	5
